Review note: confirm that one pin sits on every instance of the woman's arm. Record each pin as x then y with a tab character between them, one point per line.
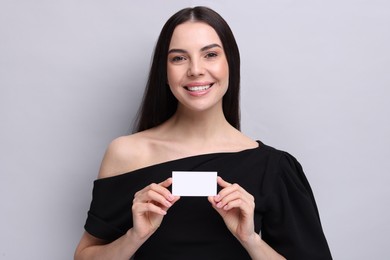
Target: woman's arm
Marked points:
260	250
91	247
236	207
150	205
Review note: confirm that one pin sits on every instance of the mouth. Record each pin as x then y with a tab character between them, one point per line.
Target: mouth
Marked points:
198	88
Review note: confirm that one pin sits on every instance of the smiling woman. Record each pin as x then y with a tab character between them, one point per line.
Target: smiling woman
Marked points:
189	121
159	104
198	72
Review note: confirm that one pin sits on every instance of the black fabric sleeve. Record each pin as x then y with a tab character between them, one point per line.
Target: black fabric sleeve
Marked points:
101	229
292	226
109	216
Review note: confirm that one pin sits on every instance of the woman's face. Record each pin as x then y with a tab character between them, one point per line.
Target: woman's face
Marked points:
197	68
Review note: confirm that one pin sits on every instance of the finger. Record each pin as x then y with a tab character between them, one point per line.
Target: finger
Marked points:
238	194
228	187
228	198
211	199
166	183
156	198
243	205
221	182
227	190
232	189
214	205
158	188
141	208
175	199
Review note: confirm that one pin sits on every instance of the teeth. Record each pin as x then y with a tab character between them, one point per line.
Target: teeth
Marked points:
198	88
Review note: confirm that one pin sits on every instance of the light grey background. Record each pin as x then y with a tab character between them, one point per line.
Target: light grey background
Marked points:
315	82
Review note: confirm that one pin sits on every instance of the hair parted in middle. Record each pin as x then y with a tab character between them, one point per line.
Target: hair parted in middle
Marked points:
158	103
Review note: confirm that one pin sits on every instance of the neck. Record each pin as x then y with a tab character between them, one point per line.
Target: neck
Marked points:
200	127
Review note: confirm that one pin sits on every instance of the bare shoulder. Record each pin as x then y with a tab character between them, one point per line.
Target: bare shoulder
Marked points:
123	154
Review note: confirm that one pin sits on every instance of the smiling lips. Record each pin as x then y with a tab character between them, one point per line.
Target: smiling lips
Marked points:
198	88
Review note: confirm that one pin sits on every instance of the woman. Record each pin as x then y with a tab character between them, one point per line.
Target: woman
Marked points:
189	120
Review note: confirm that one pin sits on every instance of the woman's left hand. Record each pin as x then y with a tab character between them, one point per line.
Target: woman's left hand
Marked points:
236	206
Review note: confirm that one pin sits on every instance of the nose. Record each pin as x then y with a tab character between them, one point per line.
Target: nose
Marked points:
195	68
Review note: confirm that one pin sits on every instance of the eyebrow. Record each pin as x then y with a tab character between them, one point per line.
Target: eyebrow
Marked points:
205	48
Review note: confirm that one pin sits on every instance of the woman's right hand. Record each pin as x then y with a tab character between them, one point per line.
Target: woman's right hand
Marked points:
150	205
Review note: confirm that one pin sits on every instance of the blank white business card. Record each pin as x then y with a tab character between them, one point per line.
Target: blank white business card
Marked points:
194	183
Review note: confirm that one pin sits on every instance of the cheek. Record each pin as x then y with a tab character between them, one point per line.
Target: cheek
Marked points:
222	72
173	75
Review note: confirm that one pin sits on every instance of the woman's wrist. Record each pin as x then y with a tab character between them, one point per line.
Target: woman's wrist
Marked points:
251	241
134	238
258	249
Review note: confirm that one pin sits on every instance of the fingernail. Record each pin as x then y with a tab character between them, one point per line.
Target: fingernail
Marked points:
216	197
171	197
219	205
168	204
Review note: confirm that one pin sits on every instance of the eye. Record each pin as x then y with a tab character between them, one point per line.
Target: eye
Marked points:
177	59
211	55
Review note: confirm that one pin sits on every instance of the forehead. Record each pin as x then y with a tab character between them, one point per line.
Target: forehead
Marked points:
193	34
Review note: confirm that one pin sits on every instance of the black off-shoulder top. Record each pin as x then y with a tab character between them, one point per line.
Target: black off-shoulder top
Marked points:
285	213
